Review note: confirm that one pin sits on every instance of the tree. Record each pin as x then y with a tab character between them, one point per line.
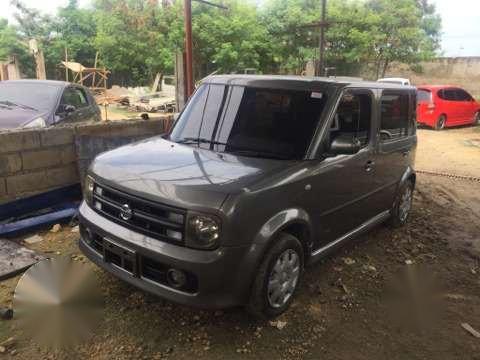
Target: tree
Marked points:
131	36
360	32
72	29
12	45
403	32
230	40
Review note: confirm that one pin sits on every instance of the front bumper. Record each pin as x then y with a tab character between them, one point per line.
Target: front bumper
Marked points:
219	278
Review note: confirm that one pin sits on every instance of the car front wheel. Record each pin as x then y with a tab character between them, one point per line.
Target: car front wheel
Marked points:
476	119
277	278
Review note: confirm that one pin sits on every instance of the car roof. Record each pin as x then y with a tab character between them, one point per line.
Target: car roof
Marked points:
296	82
436	87
38	82
393	79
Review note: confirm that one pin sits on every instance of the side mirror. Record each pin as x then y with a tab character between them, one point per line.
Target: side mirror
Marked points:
65	109
345	146
69	108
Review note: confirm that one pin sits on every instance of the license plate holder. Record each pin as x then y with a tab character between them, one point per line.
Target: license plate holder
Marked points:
119	256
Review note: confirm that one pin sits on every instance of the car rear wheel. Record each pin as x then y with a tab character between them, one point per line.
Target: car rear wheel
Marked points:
277	278
440	124
402	205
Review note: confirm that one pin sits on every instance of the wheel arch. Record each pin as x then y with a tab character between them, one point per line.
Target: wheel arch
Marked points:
294	221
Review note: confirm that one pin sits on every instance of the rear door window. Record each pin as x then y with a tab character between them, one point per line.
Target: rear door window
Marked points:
447	94
394	115
462	95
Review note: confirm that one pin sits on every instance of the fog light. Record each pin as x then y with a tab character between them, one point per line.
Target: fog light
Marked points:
87	235
176	278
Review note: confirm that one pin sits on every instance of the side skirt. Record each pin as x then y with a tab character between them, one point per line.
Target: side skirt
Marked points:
378	219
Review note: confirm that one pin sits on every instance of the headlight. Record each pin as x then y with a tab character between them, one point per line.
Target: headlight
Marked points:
88	189
203	231
38	122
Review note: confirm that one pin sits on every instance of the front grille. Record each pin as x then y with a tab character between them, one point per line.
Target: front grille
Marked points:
132	262
156	220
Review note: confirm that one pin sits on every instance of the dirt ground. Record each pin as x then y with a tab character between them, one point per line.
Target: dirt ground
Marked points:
396	294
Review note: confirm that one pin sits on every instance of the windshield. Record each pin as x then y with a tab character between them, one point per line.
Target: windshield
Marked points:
247	121
424	95
37	97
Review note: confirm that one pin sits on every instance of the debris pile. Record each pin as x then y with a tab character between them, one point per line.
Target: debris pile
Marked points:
139	99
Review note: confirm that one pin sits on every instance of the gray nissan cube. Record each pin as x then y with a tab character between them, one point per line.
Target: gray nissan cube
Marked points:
259	177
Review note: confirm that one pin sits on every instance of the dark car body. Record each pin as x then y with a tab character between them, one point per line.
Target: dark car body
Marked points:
53	102
447	104
135	222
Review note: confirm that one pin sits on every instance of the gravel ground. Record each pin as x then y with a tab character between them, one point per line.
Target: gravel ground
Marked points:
397	294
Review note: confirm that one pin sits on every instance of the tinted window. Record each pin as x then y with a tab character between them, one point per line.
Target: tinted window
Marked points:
394	121
353	118
447	94
36	95
75	97
257	122
424	96
462	95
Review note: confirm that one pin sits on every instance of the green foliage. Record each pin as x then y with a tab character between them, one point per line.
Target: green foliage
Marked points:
360	32
230	40
136	39
11	45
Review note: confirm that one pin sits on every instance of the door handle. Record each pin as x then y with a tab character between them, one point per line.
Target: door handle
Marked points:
369	165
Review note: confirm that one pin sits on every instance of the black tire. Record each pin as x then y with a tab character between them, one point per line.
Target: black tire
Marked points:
440	124
259	304
476	119
398	218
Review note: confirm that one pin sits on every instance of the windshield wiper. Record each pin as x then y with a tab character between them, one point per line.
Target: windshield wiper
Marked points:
193	140
261	154
10	103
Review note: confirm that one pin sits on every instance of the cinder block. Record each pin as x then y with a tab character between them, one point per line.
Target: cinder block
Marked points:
19	140
68	154
57	136
10	164
23	183
40	159
65	175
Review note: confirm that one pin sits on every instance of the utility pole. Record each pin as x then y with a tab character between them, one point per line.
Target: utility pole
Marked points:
323	26
187	8
188	47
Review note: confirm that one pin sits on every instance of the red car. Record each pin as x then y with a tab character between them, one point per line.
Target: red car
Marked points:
442	106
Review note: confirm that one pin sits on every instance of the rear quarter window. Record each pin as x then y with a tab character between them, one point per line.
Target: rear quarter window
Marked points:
424	95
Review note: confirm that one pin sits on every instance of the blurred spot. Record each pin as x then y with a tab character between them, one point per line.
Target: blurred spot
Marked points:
413	299
58	303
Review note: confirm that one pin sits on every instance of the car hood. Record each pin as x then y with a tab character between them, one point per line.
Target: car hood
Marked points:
180	175
12	117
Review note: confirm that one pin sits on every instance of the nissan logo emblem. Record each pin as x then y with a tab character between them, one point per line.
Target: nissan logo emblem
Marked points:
126	212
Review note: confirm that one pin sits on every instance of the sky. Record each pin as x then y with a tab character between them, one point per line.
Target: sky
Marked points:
460	22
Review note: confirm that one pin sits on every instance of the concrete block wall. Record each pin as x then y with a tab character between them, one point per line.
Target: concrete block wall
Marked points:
34	161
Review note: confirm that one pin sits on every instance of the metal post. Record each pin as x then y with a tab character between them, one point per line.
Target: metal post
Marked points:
188	46
66	63
321	62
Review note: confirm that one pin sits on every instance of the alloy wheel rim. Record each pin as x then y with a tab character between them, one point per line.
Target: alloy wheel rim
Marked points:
405	204
441	122
283	278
